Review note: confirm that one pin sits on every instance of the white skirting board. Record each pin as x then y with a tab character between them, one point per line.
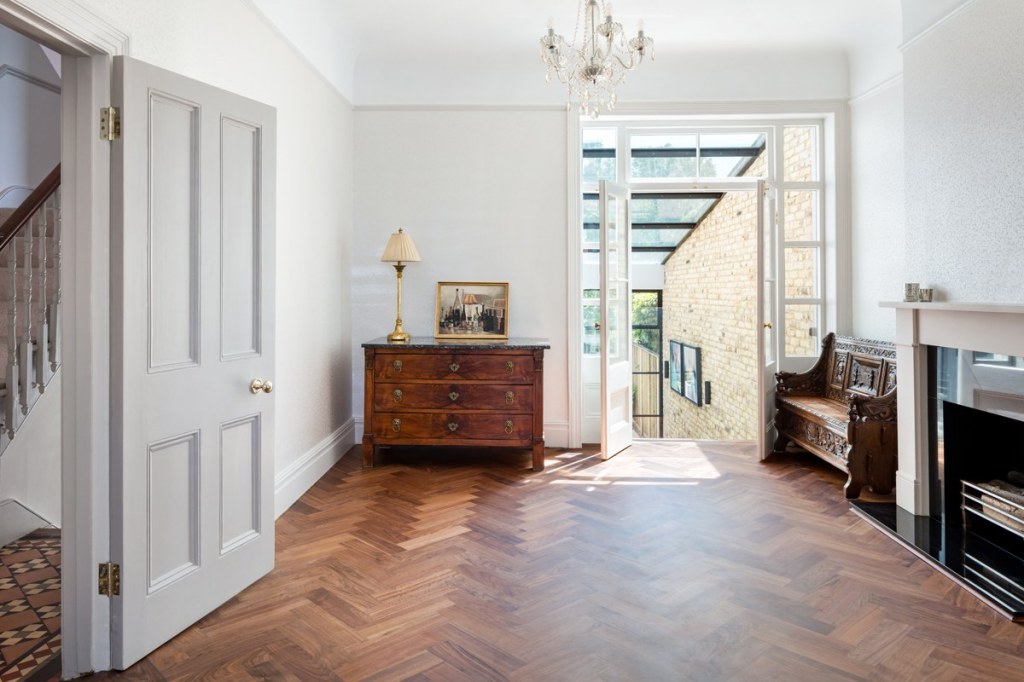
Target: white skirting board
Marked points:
17	520
292	482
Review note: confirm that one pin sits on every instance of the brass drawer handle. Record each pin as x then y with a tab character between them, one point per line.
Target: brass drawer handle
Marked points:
396	425
508	426
397	395
397	364
509	366
454	367
453	427
510	397
453	396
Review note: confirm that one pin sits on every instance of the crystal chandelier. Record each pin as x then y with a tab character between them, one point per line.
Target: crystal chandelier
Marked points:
592	70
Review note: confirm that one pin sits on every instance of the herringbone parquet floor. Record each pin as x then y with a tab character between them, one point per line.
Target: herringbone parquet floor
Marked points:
673	561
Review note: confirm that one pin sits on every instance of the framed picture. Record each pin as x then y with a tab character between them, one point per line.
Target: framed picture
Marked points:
675	366
691	374
471	310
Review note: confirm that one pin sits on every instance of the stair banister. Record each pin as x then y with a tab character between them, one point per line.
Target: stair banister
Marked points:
27	209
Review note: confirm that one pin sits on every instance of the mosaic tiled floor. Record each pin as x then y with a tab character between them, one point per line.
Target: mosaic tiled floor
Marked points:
30	607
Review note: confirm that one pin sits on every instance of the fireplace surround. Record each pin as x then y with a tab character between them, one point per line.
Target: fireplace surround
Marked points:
960	408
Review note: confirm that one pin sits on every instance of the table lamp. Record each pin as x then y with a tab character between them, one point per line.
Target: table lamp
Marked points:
399	250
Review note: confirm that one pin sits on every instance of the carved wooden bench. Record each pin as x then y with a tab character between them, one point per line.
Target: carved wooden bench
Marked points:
844	410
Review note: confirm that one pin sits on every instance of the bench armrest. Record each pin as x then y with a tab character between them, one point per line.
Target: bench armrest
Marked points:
811	382
873	409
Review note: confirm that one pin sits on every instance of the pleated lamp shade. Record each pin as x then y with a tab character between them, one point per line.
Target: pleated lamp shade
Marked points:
400	249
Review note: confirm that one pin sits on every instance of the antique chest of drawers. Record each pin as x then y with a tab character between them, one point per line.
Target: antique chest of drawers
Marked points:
433	392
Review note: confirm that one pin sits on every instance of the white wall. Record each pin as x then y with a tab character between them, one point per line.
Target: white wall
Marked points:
877	198
729	75
964	103
29	114
30	466
483	195
228	45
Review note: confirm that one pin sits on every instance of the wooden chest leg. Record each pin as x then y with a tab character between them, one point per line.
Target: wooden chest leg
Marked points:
369	450
538	455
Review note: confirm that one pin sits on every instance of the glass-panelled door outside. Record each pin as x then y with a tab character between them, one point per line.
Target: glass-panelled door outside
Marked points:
766	314
616	346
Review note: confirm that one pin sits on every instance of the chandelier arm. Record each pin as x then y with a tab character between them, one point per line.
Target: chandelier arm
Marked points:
633	63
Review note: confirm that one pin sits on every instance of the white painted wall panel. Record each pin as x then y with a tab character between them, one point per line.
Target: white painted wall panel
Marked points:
173	534
483	195
878	234
173	234
240	304
964	116
240	481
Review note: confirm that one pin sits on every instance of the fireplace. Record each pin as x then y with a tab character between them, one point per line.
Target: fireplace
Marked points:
961	435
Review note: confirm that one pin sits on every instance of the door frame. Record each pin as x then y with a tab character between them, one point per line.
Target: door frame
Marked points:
834	115
87	42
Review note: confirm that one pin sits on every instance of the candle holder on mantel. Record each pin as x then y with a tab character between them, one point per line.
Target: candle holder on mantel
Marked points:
399	250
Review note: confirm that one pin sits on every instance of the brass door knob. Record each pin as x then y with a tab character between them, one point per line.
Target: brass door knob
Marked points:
258	385
767	325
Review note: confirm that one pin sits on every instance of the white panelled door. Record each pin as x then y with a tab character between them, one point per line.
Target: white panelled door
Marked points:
192	327
616	310
767	318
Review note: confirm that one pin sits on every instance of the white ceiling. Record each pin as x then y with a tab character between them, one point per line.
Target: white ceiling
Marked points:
341	36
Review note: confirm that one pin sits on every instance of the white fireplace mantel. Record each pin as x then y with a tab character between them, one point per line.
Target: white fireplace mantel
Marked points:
985	327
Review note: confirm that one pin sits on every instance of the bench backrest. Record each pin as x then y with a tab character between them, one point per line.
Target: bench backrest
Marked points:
859	367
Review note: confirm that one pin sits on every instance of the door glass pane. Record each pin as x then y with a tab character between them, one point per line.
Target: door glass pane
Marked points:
802	329
726	155
801	216
649	257
591	221
617	282
598	161
802	272
769	331
663	156
591	315
670	209
800	153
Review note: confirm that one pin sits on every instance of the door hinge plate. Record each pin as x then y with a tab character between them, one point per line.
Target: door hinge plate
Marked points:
110	124
110	579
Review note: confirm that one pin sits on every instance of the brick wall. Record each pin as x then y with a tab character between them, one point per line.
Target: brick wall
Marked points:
710	299
710	302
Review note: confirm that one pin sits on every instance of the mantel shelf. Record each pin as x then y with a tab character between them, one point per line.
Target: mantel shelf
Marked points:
957	306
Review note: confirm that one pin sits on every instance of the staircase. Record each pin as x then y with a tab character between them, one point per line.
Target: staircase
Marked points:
29	302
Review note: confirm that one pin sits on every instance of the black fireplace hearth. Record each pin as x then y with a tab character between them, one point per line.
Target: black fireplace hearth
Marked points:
975	533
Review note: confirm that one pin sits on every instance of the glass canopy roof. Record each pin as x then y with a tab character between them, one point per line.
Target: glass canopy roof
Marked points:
662	220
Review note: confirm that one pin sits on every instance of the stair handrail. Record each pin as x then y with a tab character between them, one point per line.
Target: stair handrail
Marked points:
27	209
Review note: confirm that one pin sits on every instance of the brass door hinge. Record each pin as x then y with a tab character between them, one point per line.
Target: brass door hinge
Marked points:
110	579
110	124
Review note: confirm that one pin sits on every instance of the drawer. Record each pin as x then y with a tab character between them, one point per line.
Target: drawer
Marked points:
516	368
450	396
452	426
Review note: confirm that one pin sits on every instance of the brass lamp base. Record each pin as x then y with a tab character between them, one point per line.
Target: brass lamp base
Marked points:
399	336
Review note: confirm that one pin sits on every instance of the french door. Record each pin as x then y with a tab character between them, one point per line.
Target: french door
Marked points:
616	315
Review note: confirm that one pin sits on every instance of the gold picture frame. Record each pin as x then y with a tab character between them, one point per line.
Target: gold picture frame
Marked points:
471	310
